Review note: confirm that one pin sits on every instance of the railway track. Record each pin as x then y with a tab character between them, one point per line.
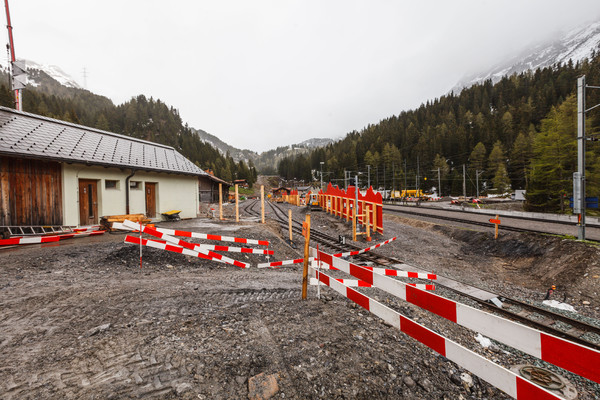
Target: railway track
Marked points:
463	218
540	318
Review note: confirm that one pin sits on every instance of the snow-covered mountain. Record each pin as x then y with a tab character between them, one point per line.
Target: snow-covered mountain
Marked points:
53	71
575	45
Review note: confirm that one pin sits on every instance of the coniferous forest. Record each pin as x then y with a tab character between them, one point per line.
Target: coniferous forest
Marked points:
519	133
140	117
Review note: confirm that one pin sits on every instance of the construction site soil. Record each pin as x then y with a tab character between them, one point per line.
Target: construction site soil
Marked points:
81	319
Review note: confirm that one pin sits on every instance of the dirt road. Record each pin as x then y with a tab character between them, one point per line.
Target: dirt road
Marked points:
82	320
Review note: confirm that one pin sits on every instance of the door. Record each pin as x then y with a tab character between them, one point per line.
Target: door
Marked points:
150	200
88	202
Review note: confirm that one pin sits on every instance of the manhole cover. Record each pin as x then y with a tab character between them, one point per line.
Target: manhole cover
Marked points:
547	379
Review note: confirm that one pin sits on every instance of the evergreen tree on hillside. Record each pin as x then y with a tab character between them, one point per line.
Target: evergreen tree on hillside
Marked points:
555	158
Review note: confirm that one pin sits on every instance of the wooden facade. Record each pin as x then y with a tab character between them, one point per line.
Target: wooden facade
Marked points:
208	187
30	192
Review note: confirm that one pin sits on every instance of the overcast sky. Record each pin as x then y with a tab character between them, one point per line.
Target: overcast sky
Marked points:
260	74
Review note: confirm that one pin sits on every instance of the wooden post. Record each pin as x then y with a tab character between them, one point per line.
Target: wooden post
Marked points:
306	229
237	209
220	201
354	225
262	204
290	223
496	228
375	219
367	222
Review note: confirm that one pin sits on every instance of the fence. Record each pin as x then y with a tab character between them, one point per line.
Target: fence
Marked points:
340	203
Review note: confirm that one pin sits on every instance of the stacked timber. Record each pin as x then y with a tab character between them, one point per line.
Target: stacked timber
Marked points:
108	220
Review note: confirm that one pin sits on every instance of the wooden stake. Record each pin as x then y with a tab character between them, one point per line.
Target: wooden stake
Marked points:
290	223
496	228
375	219
221	201
354	226
305	270
237	209
262	204
368	223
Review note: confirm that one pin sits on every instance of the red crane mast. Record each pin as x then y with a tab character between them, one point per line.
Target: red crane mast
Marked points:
12	54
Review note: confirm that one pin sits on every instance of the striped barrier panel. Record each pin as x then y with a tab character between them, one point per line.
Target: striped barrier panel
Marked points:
88	233
354	253
212	237
169	247
573	357
182	243
28	240
392	272
280	263
359	283
226	248
498	376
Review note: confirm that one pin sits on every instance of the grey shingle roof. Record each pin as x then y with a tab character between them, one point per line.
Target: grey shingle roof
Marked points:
33	136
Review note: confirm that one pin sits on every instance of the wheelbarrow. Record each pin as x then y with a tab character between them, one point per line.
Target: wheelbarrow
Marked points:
172	215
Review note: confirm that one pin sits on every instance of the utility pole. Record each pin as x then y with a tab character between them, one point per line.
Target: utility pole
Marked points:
384	187
439	184
393	178
85	75
405	176
368	176
465	182
417	178
579	177
321	174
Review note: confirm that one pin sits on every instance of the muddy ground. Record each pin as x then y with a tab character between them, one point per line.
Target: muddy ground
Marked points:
82	320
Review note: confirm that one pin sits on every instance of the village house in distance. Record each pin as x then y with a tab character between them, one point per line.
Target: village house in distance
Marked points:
58	173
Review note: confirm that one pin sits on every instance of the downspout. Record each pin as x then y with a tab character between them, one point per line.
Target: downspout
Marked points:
127	191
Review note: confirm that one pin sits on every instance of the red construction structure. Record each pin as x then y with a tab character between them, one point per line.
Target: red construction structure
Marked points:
340	203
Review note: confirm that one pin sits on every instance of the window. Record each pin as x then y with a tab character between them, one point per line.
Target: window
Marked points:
135	185
110	184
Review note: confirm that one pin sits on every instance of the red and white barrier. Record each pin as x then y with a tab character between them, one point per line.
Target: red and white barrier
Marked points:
392	272
500	377
359	283
280	263
173	248
29	240
354	253
227	248
571	356
212	237
182	243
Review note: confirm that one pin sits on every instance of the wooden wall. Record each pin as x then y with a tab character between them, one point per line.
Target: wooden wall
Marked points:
30	192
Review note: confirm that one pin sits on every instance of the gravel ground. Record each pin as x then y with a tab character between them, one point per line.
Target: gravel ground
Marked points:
82	320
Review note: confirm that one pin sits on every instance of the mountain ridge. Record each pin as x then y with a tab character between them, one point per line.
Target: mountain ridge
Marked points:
574	45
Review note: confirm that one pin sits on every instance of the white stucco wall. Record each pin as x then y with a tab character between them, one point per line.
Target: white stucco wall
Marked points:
173	192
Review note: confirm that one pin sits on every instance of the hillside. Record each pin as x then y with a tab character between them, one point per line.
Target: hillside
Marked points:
516	134
148	119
